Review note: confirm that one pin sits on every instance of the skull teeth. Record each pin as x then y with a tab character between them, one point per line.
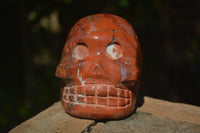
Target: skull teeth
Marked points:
98	94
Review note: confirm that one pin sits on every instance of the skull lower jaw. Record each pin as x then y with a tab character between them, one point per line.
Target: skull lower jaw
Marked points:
98	101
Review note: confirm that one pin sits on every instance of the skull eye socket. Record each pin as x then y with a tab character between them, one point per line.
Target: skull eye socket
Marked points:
114	51
80	51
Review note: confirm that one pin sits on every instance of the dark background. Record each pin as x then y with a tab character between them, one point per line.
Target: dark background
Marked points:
33	33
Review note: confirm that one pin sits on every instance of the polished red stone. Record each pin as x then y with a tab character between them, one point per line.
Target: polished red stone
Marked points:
101	67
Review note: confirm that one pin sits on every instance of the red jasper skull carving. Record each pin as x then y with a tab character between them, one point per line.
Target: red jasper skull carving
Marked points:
101	67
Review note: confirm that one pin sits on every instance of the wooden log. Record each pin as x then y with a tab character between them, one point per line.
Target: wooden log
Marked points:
154	116
172	110
52	120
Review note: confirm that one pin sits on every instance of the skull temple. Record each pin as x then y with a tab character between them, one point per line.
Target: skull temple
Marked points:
100	66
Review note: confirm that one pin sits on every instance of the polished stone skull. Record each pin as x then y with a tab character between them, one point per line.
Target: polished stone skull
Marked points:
100	67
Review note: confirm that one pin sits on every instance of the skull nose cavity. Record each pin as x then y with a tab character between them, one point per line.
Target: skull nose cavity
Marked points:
97	70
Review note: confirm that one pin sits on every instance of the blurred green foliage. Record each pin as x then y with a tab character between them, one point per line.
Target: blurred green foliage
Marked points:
33	33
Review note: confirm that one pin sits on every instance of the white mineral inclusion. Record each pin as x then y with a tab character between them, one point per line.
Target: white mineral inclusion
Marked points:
96	37
111	50
80	78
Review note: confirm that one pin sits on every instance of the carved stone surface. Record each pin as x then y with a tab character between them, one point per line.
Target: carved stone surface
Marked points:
156	116
100	67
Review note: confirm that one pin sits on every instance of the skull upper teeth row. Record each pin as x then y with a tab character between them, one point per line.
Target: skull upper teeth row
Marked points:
98	94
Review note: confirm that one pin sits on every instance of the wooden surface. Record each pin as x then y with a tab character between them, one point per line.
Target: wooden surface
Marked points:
142	122
175	111
52	120
154	116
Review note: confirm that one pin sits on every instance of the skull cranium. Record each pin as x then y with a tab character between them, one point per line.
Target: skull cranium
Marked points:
101	67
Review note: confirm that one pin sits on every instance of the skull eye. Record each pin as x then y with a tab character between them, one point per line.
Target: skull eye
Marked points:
114	51
80	51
